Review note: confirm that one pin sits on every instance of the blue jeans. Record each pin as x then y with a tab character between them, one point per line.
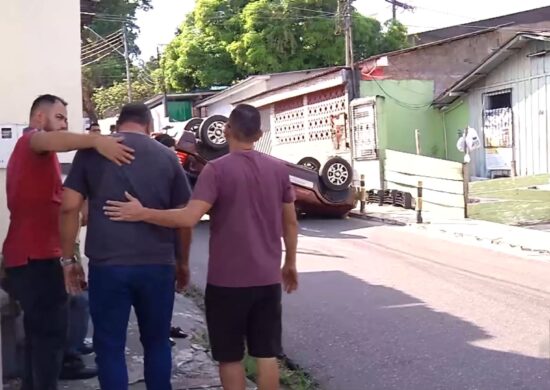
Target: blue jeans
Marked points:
113	291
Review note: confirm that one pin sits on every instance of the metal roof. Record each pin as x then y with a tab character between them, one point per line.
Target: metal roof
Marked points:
489	64
427	45
251	80
527	17
159	99
273	91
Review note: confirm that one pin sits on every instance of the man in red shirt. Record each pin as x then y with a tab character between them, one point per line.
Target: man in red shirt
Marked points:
32	248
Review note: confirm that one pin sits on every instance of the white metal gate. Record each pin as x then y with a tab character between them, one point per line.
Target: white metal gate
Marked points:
365	138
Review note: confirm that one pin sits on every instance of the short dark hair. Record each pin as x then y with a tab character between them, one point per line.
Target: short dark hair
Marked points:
246	122
136	113
46	99
166	140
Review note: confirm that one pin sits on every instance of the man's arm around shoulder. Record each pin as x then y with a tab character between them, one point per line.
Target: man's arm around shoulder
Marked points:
63	141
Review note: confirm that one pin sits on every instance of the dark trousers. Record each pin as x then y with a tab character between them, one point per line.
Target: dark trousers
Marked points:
40	289
113	291
79	317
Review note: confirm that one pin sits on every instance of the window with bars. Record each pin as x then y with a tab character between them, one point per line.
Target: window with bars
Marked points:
497	119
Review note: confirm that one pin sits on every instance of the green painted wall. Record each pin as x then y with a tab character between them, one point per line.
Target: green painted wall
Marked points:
455	118
405	107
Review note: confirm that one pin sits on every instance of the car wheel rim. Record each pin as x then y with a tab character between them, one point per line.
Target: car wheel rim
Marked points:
337	174
215	133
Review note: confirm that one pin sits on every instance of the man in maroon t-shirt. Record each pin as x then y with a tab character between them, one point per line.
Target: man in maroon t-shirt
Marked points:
251	204
32	248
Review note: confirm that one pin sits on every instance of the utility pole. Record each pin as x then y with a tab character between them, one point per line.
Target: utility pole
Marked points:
127	60
349	34
164	91
397	4
344	13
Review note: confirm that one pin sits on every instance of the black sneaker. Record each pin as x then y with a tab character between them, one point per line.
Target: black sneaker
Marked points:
177	332
75	369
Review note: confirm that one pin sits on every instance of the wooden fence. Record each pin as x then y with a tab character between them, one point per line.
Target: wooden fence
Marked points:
442	181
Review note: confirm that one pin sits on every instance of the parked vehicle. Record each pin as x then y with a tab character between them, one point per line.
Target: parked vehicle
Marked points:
313	195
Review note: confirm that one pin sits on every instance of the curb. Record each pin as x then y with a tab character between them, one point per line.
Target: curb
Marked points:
493	241
425	226
388	221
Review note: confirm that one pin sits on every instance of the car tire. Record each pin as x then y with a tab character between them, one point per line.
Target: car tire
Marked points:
337	174
310	163
194	125
211	132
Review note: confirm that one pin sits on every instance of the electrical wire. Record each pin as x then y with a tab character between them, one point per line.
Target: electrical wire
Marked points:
401	103
314	10
106	39
110	44
97	59
101	54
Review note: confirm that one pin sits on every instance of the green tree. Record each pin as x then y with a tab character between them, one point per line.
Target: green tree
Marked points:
109	100
224	40
110	70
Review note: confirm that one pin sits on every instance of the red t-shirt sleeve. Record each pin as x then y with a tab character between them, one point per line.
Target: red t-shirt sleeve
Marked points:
206	188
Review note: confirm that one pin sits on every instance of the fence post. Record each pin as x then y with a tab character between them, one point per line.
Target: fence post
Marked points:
362	194
419	203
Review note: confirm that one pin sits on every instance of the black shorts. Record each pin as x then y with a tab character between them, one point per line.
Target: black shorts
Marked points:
236	315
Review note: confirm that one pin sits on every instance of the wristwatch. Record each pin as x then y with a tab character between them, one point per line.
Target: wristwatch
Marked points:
68	261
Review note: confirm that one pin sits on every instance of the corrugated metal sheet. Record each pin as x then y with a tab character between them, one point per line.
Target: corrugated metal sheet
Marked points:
527	77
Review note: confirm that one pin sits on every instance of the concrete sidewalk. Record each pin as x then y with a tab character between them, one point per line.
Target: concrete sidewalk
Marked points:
193	367
528	240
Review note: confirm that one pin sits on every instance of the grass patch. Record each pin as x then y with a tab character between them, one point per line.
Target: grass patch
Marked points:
290	379
509	201
497	185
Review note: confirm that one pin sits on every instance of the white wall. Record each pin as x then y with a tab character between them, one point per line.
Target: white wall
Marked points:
40	51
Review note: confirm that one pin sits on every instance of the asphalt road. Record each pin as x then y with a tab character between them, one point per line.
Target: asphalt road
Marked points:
384	308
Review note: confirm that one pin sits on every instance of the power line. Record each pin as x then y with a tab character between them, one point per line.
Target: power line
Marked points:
107	38
314	10
98	59
108	49
100	47
400	102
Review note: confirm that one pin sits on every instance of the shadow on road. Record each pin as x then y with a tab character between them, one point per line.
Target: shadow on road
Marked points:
334	228
353	335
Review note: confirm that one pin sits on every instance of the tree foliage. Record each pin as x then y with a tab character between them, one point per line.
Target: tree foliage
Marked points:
110	15
223	40
109	100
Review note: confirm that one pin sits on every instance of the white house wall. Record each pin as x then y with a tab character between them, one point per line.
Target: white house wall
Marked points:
528	79
40	50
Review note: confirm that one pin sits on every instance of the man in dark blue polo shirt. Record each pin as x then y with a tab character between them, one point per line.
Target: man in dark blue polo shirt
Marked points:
130	264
